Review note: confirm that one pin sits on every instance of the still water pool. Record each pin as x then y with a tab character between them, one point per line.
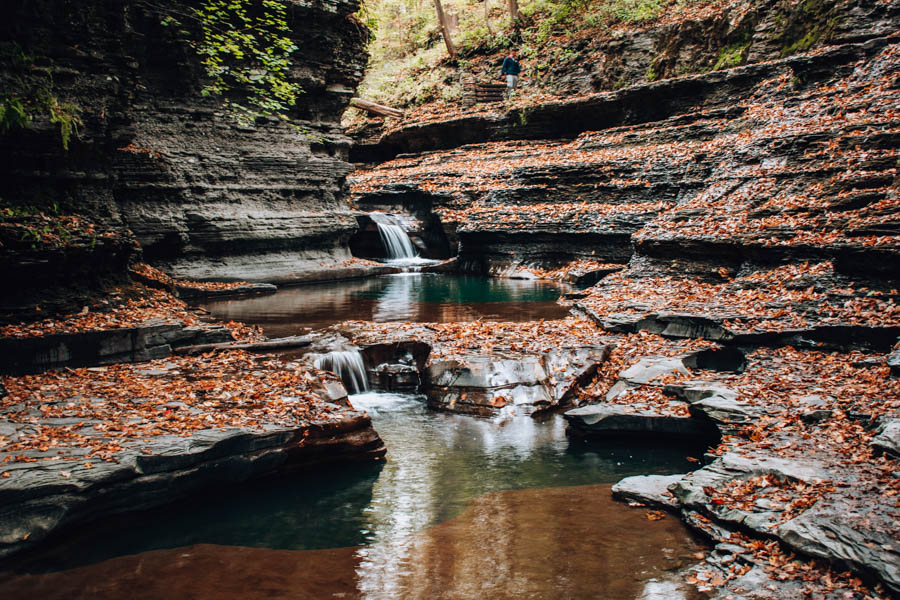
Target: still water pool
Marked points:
462	508
418	297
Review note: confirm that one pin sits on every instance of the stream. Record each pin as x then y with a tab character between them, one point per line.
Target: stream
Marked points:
415	297
462	508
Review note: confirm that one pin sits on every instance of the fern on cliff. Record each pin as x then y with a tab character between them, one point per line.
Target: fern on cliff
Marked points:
245	47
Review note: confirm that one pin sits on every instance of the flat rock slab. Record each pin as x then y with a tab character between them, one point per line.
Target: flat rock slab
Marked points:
199	293
152	340
728	414
848	533
648	370
652	490
38	498
484	385
602	420
837	527
713	327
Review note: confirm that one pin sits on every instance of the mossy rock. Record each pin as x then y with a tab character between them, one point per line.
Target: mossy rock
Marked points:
810	24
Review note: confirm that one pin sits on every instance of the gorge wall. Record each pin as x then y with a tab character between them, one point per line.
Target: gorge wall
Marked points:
154	163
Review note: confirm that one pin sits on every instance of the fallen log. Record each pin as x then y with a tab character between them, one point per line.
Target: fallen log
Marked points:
378	109
266	346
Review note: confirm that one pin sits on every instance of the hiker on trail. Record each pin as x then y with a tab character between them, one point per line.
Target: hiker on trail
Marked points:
511	68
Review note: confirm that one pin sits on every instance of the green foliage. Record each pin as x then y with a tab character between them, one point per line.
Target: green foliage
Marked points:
13	114
732	56
31	94
66	115
39	227
245	47
408	63
652	75
636	11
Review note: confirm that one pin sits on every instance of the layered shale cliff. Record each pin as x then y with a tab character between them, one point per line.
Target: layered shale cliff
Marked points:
153	163
787	160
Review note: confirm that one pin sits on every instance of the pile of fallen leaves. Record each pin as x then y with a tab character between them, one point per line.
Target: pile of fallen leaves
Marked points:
768	493
21	228
814	577
146	272
125	308
855	388
850	192
627	351
109	408
576	267
461	339
774	299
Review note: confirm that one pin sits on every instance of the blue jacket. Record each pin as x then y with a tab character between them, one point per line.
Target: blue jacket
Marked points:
510	66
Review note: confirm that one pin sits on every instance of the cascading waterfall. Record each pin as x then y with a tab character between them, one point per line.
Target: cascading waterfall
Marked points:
349	366
396	242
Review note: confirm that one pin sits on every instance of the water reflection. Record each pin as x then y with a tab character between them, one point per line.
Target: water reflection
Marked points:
546	544
463	508
403	297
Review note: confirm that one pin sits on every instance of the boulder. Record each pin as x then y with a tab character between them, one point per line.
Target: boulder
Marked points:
888	439
893	361
695	391
483	385
652	490
727	413
648	370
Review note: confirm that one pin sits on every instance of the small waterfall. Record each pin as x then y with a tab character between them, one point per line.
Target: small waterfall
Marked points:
396	242
349	367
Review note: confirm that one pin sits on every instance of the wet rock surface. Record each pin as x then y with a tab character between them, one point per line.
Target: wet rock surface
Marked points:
483	385
648	489
620	421
116	439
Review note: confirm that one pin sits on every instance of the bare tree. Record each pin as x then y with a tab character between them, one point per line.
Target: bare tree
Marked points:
445	29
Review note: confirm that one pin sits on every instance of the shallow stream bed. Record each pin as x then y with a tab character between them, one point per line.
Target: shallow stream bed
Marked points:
462	508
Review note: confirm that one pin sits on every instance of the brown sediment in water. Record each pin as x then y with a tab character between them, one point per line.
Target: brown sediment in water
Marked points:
569	542
293	310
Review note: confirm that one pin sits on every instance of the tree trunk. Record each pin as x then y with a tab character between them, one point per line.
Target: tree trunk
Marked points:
378	109
487	18
514	12
445	29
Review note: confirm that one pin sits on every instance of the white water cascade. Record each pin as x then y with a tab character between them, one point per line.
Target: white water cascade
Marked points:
393	236
349	366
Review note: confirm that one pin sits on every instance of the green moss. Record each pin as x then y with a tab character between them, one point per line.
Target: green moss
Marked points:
811	23
732	56
652	75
